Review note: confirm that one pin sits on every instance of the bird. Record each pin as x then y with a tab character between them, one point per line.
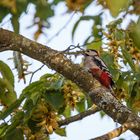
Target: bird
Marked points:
96	66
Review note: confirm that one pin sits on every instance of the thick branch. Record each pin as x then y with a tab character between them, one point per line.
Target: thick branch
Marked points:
57	61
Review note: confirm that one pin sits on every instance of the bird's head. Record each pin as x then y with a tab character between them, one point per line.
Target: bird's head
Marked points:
91	53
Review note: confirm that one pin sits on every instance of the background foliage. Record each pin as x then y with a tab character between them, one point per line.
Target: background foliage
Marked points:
42	104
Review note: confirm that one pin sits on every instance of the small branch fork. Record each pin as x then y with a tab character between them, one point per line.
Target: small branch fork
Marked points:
117	132
78	46
35	72
72	47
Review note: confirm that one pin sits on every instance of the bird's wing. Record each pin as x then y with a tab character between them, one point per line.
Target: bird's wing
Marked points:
100	63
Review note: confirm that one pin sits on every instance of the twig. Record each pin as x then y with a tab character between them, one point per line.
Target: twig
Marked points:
35	72
72	47
74	53
116	132
60	30
78	117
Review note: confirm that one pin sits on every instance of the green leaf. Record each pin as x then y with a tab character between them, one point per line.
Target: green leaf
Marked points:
137	75
57	84
57	1
80	106
96	29
10	109
67	112
18	116
128	59
114	23
95	45
61	109
56	99
22	7
126	82
114	72
33	87
119	34
3	12
61	131
108	58
52	82
28	107
16	134
135	100
15	122
44	10
32	124
123	80
116	6
7	94
46	76
134	32
131	87
3	128
102	114
34	97
6	72
89	102
109	61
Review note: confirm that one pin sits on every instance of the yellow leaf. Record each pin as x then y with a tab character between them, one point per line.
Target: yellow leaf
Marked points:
11	4
76	5
136	105
37	34
49	129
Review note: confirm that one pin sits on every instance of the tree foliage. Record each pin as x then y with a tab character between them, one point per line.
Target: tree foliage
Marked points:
42	104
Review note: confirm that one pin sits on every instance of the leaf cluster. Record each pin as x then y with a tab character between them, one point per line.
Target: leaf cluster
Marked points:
40	106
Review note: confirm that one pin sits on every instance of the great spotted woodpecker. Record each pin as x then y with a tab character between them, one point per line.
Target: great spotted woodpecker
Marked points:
95	65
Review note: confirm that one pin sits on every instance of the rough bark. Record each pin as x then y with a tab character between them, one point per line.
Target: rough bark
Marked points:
57	61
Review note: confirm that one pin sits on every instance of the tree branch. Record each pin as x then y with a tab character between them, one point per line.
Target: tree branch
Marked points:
57	61
77	117
117	132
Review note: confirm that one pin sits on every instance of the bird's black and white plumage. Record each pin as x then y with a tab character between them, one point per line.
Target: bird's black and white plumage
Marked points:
95	65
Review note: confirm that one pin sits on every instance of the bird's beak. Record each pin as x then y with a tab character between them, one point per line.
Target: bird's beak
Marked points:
84	52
